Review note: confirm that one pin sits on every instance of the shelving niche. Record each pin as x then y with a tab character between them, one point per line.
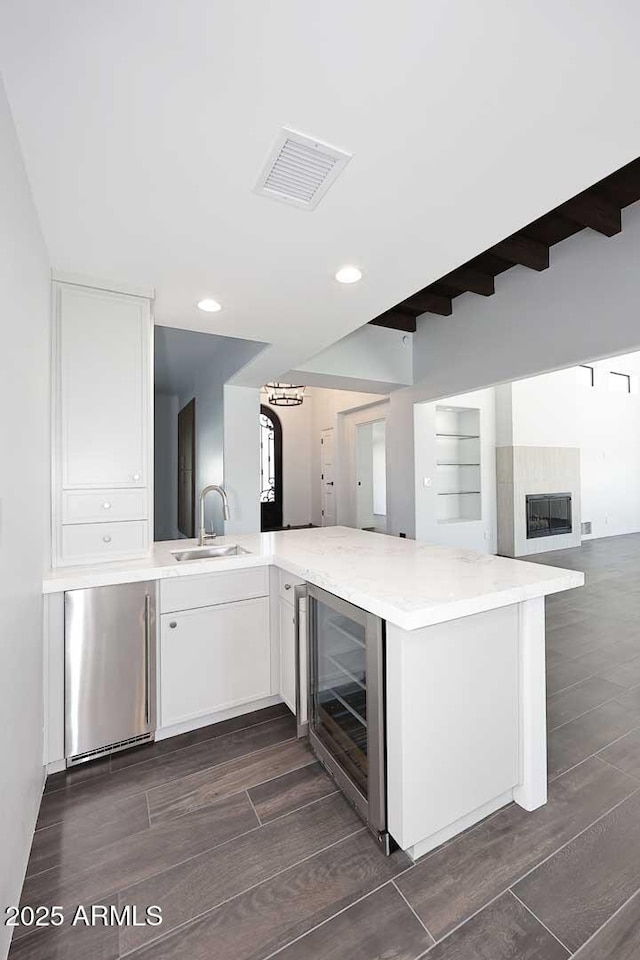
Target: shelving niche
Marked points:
459	491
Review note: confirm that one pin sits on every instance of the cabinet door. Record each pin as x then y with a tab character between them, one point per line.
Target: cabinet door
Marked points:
103	353
287	654
288	679
213	658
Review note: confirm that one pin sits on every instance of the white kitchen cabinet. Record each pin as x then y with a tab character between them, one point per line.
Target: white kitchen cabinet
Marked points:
287	635
207	589
103	416
94	542
104	342
103	506
213	658
287	654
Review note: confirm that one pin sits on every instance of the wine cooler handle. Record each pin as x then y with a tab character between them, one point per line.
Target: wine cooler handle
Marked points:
299	593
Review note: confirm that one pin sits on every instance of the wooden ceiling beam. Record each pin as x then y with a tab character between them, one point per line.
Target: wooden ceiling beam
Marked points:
590	210
527	252
470	280
396	320
427	302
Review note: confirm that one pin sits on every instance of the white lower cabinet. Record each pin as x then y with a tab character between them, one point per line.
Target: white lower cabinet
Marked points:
287	633
287	654
213	658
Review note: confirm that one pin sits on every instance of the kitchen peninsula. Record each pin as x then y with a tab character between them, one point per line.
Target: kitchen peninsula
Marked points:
464	670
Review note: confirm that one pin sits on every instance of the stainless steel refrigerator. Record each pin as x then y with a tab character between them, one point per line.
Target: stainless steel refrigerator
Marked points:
110	669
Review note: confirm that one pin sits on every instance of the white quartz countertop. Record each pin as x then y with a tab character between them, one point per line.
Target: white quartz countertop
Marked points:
407	582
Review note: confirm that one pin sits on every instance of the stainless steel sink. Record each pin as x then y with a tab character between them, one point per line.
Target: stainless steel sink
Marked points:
206	553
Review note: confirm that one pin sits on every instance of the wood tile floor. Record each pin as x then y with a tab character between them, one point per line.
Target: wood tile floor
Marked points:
238	834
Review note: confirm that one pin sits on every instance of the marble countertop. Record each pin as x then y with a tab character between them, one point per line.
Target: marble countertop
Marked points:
407	582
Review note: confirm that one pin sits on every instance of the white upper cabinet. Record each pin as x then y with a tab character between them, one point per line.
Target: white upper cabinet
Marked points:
103	352
103	424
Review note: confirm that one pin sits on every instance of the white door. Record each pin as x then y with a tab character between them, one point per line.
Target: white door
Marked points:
371	477
364	476
327	477
104	350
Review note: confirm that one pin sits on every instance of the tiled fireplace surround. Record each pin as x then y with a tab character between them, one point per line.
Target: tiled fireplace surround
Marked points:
530	470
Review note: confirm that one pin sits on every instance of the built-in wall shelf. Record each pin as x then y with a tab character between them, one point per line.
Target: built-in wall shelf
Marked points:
458	465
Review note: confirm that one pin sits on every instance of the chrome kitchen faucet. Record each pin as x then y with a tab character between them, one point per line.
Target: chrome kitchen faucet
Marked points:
225	510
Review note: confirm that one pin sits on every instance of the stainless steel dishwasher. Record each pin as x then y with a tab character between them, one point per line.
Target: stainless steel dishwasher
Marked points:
110	669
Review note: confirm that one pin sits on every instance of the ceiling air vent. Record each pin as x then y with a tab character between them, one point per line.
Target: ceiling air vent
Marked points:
300	170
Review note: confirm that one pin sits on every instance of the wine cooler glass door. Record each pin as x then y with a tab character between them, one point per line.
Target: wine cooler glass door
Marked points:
347	697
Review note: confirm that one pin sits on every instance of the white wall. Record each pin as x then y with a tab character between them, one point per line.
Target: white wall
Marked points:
545	410
557	410
242	458
584	306
208	388
296	459
473	534
328	405
24	499
165	471
371	358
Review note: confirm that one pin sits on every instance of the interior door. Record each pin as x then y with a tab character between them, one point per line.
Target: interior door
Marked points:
364	475
371	481
327	477
187	469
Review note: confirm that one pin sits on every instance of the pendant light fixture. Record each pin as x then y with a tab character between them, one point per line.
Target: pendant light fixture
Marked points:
284	394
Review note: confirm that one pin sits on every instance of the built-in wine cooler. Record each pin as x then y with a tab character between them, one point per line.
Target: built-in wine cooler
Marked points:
346	702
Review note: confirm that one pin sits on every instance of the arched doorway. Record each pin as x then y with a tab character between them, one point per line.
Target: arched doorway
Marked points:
270	469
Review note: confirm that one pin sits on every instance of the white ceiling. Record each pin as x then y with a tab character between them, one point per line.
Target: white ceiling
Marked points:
144	125
180	355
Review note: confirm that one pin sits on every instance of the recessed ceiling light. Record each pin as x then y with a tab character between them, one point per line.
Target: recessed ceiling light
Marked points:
209	306
349	275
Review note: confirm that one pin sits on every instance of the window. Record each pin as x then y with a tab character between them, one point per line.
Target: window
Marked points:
267	459
586	375
619	382
270	469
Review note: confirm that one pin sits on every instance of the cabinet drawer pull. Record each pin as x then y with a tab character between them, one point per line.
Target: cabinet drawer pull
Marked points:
287	586
106	505
173	624
106	539
136	476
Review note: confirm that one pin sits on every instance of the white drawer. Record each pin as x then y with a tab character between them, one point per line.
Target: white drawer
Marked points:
205	590
89	542
103	506
287	583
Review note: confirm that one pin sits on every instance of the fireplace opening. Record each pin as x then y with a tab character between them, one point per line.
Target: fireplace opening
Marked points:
548	514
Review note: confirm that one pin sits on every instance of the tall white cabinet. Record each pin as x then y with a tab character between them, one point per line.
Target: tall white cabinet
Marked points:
103	409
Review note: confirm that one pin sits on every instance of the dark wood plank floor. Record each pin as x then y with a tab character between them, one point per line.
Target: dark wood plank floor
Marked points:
239	835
